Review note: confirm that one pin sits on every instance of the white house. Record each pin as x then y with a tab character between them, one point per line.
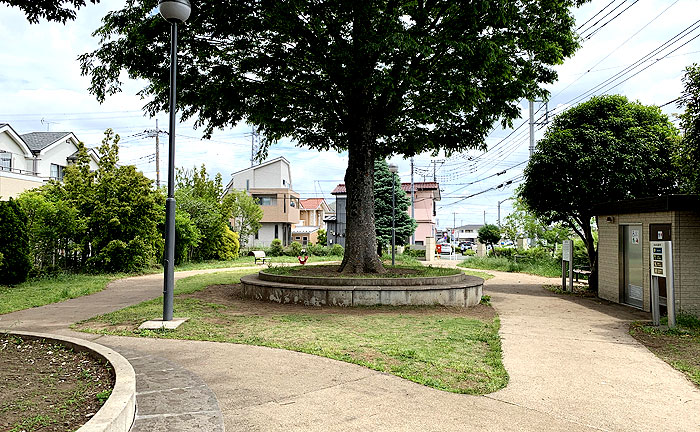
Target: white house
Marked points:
270	183
28	161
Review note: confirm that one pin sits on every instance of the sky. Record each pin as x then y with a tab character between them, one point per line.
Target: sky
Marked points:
41	88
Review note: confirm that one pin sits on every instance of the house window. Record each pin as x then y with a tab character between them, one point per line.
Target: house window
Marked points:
5	161
305	241
284	204
266	200
256	235
247	184
57	172
277	231
284	182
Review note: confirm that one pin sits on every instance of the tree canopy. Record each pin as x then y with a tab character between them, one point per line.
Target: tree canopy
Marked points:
605	149
51	10
489	234
375	78
689	151
405	226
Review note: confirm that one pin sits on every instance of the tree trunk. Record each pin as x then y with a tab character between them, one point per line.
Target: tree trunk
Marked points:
361	240
592	253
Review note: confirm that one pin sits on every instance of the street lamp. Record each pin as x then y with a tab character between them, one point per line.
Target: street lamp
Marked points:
393	168
174	11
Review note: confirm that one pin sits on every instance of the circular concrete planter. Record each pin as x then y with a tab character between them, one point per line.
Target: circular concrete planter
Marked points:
456	290
117	414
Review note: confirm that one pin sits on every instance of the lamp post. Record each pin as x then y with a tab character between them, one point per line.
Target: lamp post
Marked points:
174	11
393	168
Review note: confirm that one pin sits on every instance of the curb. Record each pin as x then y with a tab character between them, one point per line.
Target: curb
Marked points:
117	414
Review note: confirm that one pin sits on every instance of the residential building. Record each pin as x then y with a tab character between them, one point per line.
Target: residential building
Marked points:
312	212
306	235
28	161
426	194
270	183
467	233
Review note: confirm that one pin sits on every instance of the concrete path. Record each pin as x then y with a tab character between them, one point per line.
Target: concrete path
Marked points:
572	367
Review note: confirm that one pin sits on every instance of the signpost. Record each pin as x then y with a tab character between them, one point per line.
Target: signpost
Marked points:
567	255
661	259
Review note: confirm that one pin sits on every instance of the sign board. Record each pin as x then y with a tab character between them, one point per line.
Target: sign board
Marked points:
634	238
659	264
566	251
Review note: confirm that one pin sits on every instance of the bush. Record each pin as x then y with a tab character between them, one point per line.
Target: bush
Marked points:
294	249
317	250
229	246
467	252
275	248
337	250
14	244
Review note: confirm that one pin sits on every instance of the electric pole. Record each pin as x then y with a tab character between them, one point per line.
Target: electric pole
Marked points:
532	127
157	156
413	203
253	136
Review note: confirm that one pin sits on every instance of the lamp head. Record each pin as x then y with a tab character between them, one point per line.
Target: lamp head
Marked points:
176	11
393	168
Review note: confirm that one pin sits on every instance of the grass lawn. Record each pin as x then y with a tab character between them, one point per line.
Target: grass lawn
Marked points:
51	290
547	268
679	347
452	349
54	289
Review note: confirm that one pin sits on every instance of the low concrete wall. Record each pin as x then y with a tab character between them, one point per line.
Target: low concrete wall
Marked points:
117	414
387	282
463	293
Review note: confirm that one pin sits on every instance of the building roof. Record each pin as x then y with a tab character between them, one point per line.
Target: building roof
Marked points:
37	141
305	229
310	203
417	186
469	227
271	161
648	205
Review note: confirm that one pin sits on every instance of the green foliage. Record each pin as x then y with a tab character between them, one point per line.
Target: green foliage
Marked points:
276	248
202	200
410	76
415	253
322	237
50	10
294	249
688	154
489	234
244	213
14	244
105	220
337	250
548	267
317	250
605	149
187	237
523	223
405	226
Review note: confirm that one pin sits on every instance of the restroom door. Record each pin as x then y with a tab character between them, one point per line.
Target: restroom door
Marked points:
632	275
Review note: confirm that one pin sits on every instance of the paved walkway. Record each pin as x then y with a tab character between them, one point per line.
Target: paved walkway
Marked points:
572	367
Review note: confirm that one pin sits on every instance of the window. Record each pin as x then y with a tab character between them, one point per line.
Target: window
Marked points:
277	231
305	241
284	182
57	172
5	161
284	199
256	235
266	200
247	184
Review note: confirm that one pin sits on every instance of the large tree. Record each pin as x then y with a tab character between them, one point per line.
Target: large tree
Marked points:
605	149
375	77
689	152
50	10
404	225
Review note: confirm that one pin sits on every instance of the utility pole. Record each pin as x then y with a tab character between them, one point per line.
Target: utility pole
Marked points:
155	133
454	233
499	210
484	217
413	203
253	135
157	156
532	127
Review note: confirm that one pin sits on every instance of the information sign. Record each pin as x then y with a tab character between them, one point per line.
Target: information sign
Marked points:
658	259
566	251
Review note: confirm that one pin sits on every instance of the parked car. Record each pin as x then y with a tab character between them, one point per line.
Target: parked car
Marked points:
445	248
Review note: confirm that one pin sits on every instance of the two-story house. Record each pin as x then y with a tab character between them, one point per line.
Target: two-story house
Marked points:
27	161
425	196
270	183
312	214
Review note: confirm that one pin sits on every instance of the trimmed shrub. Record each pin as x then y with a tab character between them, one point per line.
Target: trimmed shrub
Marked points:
337	249
276	248
294	249
14	244
317	250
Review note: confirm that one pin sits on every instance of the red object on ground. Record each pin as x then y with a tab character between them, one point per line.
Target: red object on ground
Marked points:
302	261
